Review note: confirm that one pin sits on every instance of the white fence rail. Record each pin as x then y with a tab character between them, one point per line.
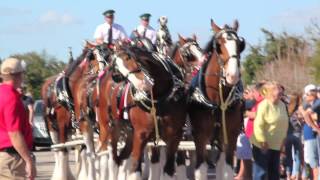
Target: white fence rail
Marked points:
184	145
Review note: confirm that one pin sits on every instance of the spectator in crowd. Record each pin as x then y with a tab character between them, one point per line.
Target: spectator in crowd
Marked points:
318	92
269	132
244	154
251	114
311	111
243	150
293	146
15	131
252	98
27	103
248	97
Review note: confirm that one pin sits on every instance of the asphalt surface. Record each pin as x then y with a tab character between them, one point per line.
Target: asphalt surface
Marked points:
45	163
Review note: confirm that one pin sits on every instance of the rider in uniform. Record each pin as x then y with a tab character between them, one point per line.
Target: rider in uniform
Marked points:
109	31
144	30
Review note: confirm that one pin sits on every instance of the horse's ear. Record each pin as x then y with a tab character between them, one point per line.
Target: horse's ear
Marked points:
85	43
235	25
194	37
215	27
182	40
88	44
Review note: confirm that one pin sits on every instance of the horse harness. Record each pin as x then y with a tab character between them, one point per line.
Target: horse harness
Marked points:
144	99
185	55
51	104
197	94
64	97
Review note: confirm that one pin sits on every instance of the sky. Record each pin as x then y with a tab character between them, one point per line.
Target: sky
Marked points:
53	26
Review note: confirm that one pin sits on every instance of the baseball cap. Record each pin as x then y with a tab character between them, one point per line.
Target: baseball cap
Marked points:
12	66
310	87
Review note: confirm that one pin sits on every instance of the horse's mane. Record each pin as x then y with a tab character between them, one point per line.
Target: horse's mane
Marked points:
209	46
145	58
71	68
173	49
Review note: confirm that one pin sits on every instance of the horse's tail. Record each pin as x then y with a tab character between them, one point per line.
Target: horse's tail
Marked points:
127	149
47	95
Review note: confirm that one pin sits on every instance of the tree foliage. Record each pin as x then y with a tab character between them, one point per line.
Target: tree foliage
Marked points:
253	62
314	33
315	62
39	67
282	57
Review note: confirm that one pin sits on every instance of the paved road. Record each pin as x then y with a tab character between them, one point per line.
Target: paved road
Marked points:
45	164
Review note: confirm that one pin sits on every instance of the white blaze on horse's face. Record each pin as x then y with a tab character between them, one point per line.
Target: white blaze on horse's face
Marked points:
232	69
140	84
197	53
163	20
99	59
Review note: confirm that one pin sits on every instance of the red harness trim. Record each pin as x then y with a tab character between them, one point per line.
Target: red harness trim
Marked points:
123	101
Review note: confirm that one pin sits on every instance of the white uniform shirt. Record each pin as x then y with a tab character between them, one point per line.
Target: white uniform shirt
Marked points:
150	33
118	32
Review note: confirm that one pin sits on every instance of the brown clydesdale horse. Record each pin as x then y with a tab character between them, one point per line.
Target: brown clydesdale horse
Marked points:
144	74
217	83
187	54
57	112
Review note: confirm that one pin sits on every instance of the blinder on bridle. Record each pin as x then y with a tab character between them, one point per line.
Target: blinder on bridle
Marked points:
241	44
185	50
104	52
139	69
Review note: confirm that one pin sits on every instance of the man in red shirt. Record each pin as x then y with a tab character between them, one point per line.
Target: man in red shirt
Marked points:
15	131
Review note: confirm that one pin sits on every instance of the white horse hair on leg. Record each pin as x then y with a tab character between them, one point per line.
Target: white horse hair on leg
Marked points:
104	167
54	139
135	176
69	173
83	166
77	159
56	165
145	164
97	161
97	167
124	169
88	140
202	172
155	171
113	167
223	170
59	172
63	171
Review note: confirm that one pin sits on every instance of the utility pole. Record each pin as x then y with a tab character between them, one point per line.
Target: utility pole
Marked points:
70	55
